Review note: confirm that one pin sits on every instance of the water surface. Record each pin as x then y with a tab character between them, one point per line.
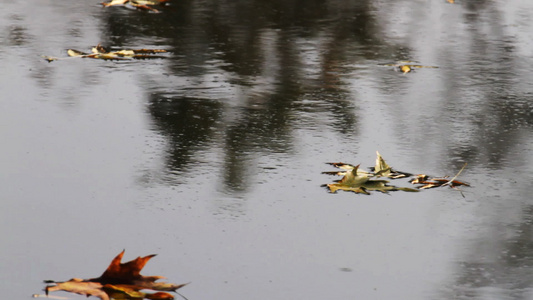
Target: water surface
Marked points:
212	157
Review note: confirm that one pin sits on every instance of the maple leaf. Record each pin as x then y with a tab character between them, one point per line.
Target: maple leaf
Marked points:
119	281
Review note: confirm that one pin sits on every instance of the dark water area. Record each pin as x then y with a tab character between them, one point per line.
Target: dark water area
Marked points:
212	156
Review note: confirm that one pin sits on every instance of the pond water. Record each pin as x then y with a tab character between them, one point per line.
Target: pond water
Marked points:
212	156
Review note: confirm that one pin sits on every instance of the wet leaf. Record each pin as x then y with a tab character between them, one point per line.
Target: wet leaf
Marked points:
382	186
76	53
119	281
114	2
139	4
127	292
352	182
79	286
347	168
427	182
407	66
360	183
99	52
49	58
382	169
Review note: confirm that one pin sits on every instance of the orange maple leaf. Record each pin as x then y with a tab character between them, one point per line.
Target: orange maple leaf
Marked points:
119	280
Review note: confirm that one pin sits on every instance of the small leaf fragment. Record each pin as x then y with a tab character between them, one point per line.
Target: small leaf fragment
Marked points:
406	66
49	58
79	286
347	168
382	169
76	53
139	4
114	2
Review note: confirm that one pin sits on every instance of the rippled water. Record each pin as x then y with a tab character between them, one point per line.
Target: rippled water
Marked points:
212	157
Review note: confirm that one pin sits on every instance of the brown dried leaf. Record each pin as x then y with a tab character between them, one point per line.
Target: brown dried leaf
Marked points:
124	272
79	286
119	280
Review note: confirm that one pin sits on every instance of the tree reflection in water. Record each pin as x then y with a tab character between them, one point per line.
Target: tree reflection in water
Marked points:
251	72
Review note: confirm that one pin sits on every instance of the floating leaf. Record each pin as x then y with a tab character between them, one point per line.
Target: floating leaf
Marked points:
407	66
360	183
139	4
119	281
76	53
347	168
79	286
382	186
350	182
432	182
115	2
99	52
49	58
382	169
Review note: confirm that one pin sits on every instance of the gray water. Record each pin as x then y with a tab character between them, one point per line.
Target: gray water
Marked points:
212	156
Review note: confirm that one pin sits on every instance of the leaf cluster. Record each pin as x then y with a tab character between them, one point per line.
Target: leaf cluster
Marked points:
99	52
363	182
